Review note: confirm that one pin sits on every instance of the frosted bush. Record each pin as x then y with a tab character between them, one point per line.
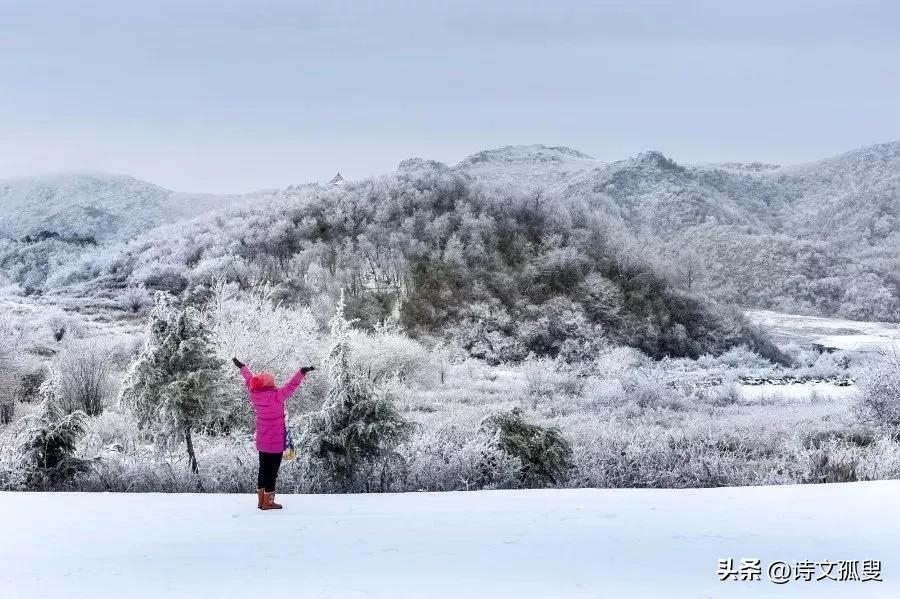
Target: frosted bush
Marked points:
829	364
263	334
114	430
387	354
544	453
135	299
85	377
616	361
744	358
598	392
454	457
546	382
878	400
47	440
647	388
727	394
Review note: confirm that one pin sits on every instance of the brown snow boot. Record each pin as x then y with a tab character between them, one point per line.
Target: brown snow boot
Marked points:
261	498
270	502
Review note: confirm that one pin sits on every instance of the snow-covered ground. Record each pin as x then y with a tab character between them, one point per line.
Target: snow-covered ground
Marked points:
561	543
802	391
851	335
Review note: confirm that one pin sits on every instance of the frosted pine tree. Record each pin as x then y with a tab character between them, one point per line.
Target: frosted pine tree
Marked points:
358	427
175	385
47	439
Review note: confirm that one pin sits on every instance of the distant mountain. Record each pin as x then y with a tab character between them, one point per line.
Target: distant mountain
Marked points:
816	238
856	194
100	206
821	238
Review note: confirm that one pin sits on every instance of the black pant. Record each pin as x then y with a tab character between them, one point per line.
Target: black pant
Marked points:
268	470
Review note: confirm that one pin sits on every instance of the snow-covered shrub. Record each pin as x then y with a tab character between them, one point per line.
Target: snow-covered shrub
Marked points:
58	326
31	382
84	375
603	392
175	385
614	362
614	454
47	440
487	332
648	388
115	430
358	428
878	400
544	453
743	357
388	353
544	381
727	394
7	411
828	364
135	299
453	457
10	368
12	472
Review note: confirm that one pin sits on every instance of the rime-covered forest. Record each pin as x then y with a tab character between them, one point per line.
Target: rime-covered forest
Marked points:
530	317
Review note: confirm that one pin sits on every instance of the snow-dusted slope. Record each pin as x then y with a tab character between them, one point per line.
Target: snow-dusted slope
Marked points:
534	166
857	192
99	205
559	544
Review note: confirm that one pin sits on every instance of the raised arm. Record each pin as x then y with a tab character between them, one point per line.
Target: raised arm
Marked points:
291	386
245	372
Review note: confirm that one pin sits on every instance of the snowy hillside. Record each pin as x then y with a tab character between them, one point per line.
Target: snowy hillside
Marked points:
821	238
94	205
534	166
651	190
516	544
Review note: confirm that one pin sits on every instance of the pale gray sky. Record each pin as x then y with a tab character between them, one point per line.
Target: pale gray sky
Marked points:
229	96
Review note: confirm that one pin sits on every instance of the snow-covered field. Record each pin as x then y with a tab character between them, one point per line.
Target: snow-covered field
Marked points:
837	333
554	543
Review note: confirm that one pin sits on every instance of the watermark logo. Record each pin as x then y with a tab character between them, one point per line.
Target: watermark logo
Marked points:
782	572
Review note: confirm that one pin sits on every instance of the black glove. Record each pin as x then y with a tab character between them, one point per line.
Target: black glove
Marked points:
237	362
307	369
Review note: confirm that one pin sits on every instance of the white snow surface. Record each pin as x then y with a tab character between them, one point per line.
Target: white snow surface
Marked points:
552	543
838	333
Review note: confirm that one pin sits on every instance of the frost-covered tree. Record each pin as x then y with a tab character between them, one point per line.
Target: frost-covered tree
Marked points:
878	400
84	377
545	454
175	384
47	439
358	426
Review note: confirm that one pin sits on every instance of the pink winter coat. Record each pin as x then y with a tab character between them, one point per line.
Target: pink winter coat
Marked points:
269	405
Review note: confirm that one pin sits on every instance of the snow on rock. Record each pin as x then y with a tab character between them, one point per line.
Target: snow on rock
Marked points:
559	543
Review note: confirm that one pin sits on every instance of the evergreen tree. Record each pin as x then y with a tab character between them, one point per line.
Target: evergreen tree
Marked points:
47	439
176	382
545	454
358	426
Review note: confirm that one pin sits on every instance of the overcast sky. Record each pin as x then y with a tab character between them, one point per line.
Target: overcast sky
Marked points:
227	96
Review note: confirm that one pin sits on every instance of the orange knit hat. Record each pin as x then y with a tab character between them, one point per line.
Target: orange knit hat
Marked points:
262	380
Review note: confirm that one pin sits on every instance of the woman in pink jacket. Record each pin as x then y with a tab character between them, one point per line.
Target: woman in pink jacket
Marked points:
268	402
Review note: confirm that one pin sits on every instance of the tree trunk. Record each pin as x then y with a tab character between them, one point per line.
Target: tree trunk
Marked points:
192	457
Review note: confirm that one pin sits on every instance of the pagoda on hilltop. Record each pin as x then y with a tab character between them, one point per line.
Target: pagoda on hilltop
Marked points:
337	180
